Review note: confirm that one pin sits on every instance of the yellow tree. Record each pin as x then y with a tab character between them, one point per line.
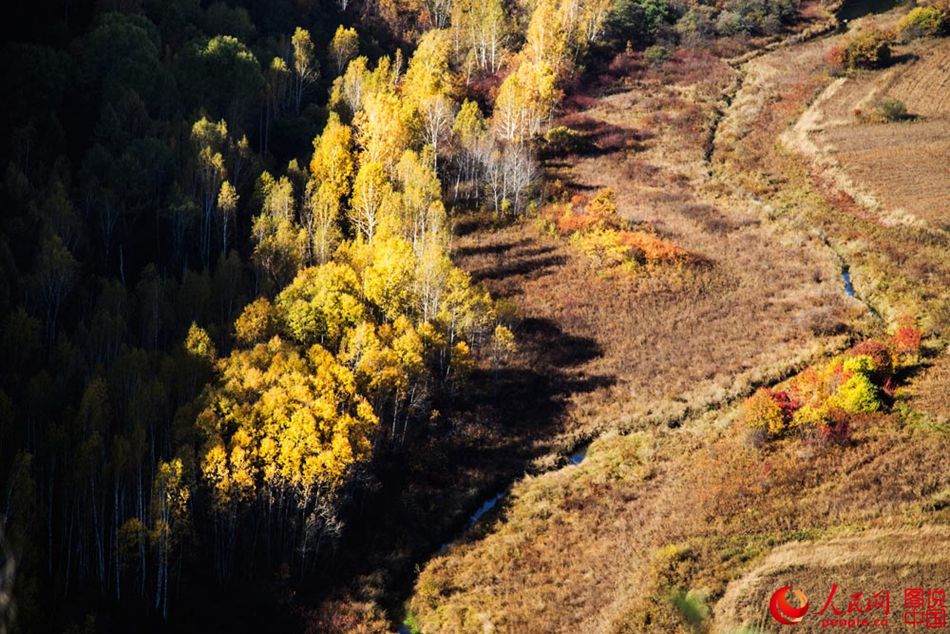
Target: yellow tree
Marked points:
438	12
431	274
279	424
280	246
306	69
471	140
227	207
426	85
388	279
257	322
421	205
321	216
546	39
347	91
372	190
388	363
525	101
343	47
381	127
481	27
210	140
170	497
428	73
321	304
332	161
278	83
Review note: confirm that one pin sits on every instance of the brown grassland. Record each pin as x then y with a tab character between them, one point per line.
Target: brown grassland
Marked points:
896	267
676	521
673	340
607	545
919	557
897	170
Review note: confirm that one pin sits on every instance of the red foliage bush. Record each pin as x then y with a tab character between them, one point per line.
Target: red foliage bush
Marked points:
837	429
788	404
908	337
880	354
835	58
625	64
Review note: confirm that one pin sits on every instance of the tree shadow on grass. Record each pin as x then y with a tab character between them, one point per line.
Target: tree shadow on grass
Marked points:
484	438
490	249
528	267
597	138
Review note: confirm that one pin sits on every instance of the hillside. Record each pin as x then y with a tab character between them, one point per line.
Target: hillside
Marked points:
357	316
676	521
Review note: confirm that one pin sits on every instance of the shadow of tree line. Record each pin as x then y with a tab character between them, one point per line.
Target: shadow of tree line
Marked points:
482	440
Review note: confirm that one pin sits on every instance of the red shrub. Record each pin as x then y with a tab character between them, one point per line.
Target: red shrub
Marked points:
625	64
908	338
837	429
880	354
835	57
788	404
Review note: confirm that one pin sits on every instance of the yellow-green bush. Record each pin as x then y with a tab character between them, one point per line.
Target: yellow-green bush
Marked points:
603	245
563	140
871	49
923	22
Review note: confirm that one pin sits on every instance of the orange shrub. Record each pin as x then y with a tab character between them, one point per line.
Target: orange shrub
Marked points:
596	228
653	248
836	59
762	412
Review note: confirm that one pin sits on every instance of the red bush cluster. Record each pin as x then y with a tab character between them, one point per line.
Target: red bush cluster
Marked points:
836	430
829	397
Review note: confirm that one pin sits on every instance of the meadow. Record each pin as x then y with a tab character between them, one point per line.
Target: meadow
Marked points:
680	518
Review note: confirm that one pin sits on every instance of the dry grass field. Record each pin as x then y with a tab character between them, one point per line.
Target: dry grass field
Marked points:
899	170
925	85
674	340
606	545
769	142
648	533
865	562
930	393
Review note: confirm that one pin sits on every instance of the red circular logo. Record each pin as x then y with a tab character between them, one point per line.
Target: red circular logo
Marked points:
783	611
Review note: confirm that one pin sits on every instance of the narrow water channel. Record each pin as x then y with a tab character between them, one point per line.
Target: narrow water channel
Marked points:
846	277
574	459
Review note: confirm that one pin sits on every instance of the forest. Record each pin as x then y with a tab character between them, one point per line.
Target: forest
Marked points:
234	313
226	283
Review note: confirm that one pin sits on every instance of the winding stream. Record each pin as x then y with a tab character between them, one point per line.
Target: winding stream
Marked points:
850	10
846	277
576	458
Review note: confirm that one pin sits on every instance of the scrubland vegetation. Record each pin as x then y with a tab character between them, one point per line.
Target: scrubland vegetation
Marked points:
291	288
622	549
686	535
